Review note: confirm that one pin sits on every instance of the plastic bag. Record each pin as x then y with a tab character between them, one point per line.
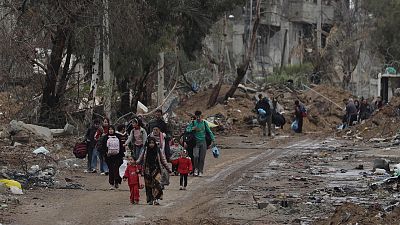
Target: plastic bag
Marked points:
122	168
14	186
295	125
215	151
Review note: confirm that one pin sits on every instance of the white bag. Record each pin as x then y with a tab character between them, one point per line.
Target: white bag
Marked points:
122	168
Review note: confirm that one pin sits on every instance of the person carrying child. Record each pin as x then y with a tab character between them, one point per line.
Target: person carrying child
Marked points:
132	174
184	168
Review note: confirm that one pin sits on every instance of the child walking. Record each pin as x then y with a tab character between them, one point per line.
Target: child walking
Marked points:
176	150
132	174
184	168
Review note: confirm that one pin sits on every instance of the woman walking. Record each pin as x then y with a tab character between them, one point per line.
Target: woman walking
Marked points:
137	138
153	160
113	152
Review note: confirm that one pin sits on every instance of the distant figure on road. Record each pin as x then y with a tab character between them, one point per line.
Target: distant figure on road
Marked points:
263	110
378	103
365	110
299	114
351	112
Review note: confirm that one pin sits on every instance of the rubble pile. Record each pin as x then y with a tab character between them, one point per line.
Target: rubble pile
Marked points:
236	113
350	213
322	112
383	124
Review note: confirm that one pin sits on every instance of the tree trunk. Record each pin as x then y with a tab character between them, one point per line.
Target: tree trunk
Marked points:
220	67
125	106
50	111
62	86
242	69
215	93
95	78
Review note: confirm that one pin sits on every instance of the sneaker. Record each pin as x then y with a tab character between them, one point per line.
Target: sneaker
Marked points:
102	173
106	173
200	174
150	203
93	171
112	188
156	202
180	188
196	173
116	186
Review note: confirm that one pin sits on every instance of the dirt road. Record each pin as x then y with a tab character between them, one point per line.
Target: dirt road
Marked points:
248	184
96	204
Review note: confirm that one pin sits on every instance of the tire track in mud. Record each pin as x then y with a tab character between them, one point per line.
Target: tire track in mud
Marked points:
206	197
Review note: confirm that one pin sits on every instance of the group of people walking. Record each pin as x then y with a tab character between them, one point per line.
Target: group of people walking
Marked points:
359	110
151	151
271	115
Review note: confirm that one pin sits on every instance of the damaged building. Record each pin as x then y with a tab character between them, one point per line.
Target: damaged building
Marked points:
288	32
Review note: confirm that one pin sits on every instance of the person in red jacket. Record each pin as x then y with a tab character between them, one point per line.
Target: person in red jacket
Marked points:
132	174
184	168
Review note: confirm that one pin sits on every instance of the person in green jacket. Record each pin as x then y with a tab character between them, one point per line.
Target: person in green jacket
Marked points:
200	127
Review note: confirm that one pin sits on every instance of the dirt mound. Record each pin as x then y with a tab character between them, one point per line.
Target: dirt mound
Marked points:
383	124
323	115
350	213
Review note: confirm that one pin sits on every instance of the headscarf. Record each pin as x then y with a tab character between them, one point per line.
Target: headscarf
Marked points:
152	153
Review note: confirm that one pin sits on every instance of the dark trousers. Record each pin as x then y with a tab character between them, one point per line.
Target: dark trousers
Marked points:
113	170
89	159
189	150
300	124
183	180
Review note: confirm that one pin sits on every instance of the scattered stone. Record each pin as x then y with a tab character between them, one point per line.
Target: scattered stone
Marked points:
360	167
70	129
41	150
381	164
57	132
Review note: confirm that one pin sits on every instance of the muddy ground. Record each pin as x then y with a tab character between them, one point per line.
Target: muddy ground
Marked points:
290	179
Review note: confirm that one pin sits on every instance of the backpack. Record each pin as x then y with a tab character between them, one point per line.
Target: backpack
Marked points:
80	150
112	146
189	139
208	135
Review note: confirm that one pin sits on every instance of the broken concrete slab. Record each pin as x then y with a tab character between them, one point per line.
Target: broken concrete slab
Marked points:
70	129
41	132
58	132
246	89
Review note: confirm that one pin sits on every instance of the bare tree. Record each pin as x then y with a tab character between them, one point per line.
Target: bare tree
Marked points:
241	70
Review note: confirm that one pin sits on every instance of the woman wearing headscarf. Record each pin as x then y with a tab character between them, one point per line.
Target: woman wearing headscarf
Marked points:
153	160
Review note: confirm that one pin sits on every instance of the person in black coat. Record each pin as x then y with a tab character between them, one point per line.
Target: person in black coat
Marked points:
114	161
91	143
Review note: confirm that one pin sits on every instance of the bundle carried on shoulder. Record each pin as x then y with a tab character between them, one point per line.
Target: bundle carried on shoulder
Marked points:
80	150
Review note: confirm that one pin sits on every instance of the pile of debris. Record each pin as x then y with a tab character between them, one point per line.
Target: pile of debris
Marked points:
383	124
350	213
322	102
